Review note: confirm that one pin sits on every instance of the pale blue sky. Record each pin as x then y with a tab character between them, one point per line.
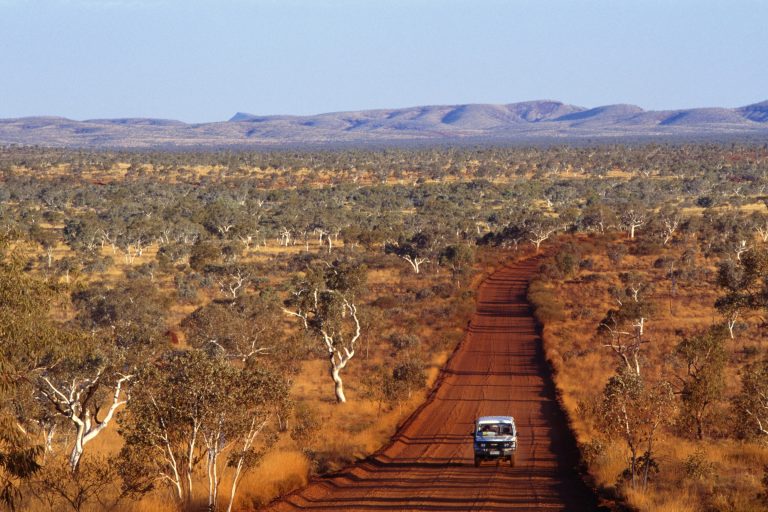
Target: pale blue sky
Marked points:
197	60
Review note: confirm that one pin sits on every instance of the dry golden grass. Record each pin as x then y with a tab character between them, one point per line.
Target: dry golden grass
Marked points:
281	472
366	424
583	367
152	503
682	501
609	463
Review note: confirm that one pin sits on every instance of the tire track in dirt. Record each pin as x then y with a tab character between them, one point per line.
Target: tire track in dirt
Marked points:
498	369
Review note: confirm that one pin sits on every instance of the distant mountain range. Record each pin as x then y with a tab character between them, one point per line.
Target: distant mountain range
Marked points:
531	121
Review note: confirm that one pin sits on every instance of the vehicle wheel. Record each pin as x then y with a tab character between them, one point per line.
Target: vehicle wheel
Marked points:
477	462
512	460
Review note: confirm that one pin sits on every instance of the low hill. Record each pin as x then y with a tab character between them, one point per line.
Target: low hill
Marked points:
516	122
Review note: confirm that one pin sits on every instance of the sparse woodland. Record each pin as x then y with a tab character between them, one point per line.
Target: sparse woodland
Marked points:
187	330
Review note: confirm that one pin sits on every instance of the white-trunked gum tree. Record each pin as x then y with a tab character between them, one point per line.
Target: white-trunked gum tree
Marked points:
73	381
325	302
190	408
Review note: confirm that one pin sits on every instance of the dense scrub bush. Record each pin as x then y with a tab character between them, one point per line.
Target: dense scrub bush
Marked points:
405	342
374	261
697	467
616	252
424	293
592	450
647	246
663	262
300	262
186	287
408	377
567	259
98	264
546	307
203	254
443	290
305	424
143	271
171	254
549	271
566	263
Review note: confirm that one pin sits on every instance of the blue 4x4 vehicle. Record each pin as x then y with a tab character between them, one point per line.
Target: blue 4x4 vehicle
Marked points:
495	438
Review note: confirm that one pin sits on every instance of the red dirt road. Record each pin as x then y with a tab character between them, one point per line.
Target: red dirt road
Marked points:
499	369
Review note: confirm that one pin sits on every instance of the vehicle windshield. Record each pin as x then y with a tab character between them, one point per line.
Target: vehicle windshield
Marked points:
494	429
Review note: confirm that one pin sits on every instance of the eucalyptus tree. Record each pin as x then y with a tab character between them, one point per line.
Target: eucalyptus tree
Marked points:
63	376
139	232
726	233
541	229
634	410
25	334
205	252
702	358
668	221
633	216
745	286
416	250
326	301
459	258
84	372
597	216
93	371
130	315
181	221
751	404
759	222
223	216
86	386
242	329
188	409
85	233
47	238
623	327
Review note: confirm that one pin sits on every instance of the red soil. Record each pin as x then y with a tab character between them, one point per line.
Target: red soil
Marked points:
499	369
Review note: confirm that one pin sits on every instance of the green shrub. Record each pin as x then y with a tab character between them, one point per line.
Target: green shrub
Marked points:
305	424
697	467
401	342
